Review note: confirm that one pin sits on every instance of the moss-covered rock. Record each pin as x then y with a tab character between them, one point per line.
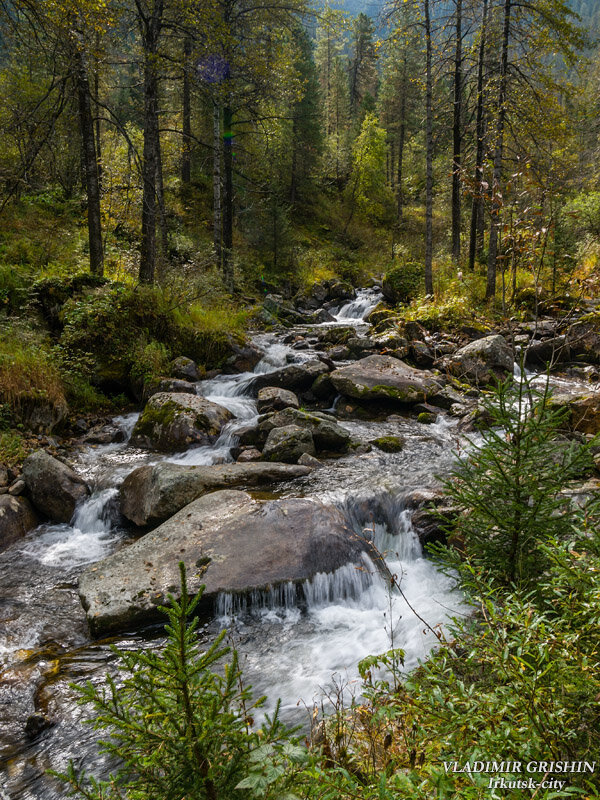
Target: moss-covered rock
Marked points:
385	378
389	444
171	422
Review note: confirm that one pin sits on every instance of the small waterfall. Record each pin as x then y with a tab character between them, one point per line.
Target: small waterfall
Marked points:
346	584
384	519
90	536
358	309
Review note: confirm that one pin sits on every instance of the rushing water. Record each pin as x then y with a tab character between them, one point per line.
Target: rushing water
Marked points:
296	645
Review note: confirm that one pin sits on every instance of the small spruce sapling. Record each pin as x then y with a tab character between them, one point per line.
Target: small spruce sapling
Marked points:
181	728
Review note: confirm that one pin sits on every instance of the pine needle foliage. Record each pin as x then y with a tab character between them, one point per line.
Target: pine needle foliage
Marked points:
180	726
509	488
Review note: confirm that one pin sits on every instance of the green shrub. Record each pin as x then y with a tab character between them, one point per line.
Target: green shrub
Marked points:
12	448
403	282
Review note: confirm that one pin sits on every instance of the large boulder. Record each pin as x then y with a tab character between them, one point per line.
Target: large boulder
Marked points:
296	377
17	517
583	413
229	543
39	413
55	489
172	421
287	444
245	356
272	398
483	361
385	378
328	436
548	351
583	338
151	494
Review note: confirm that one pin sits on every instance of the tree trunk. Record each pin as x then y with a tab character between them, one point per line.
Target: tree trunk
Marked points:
477	202
151	28
490	290
457	135
401	140
160	196
217	147
227	259
96	100
186	161
90	164
429	157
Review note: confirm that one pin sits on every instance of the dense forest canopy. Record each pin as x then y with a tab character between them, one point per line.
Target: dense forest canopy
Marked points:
247	137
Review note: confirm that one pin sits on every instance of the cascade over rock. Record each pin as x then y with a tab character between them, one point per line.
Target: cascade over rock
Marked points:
228	542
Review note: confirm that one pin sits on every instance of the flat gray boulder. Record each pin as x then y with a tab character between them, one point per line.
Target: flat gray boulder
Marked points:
385	378
172	421
151	494
55	489
483	361
229	543
17	517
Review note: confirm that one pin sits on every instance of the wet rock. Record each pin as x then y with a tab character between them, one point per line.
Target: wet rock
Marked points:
17	488
105	434
338	335
384	378
483	361
306	460
55	489
41	414
36	724
276	306
172	385
249	435
3	476
185	369
361	345
172	422
583	338
446	398
477	419
340	352
548	351
426	418
583	413
389	444
245	356
248	455
228	542
153	493
17	517
323	388
328	436
273	398
432	523
296	377
287	444
321	316
421	354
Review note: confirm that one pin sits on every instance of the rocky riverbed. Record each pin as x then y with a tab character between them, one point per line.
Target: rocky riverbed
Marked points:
279	487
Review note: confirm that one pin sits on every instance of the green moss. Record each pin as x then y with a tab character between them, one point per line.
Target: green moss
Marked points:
426	418
156	416
389	444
